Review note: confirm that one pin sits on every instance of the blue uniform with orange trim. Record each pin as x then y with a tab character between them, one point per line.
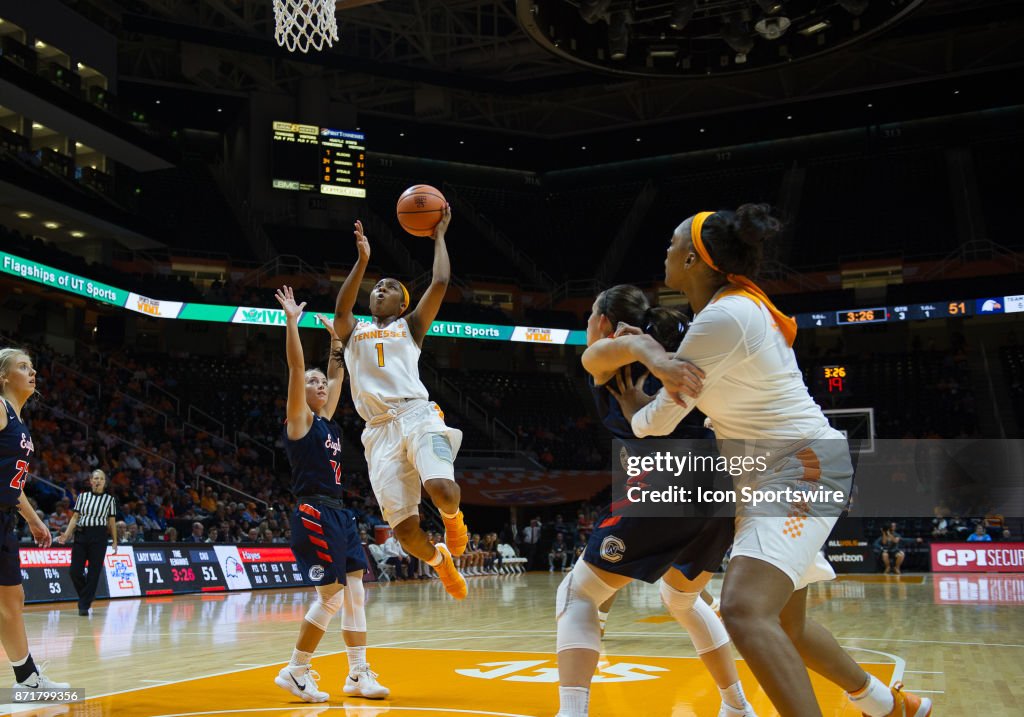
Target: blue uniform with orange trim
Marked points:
645	548
324	536
16	450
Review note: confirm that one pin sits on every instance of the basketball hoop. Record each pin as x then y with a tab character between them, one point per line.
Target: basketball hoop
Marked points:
301	24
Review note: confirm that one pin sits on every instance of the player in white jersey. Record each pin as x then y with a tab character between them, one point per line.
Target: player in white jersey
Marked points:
754	394
406	440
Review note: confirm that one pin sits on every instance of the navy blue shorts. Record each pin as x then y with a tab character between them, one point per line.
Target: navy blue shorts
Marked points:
645	548
325	542
10	557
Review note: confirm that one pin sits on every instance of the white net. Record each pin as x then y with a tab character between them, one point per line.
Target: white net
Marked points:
302	24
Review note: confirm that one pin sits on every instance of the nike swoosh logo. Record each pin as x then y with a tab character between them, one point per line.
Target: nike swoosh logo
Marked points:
301	687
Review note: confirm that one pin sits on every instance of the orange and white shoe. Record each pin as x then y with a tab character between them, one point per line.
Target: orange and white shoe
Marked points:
450	577
456	535
907	704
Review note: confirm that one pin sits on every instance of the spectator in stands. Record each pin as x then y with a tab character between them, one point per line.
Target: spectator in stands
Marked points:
170	535
122	531
395	555
197	533
1007	537
559	553
253	536
61	516
888	548
131	534
213	535
979	535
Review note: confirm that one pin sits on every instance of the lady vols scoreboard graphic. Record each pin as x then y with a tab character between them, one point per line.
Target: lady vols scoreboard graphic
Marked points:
146	570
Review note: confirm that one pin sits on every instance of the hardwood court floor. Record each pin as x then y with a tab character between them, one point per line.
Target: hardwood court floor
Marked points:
959	639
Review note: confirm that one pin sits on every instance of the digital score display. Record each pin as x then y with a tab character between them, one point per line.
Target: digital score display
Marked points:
835	378
164	571
308	158
888	314
271	567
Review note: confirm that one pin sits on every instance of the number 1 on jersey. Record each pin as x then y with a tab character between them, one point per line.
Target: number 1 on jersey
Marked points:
380	354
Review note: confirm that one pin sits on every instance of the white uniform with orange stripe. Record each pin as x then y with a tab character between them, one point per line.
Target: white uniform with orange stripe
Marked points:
405	440
755	396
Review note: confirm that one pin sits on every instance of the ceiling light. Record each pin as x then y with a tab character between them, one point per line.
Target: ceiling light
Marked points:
682	13
40	45
770	6
737	36
36	125
158	102
24	215
593	10
77	234
80	66
78	145
816	27
772	28
51	225
663	51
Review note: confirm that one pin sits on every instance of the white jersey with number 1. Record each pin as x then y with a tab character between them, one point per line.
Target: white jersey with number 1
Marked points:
383	366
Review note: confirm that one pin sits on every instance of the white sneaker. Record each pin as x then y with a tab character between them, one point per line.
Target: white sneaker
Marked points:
301	682
38	681
362	681
728	711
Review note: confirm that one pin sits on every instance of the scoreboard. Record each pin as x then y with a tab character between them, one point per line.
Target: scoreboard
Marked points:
308	158
164	571
954	308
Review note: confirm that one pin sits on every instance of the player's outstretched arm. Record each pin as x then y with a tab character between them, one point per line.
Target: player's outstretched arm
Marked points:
430	303
300	418
335	369
344	319
605	357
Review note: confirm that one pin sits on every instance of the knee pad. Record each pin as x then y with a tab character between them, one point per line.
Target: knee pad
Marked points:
695	616
327	604
576	604
353	607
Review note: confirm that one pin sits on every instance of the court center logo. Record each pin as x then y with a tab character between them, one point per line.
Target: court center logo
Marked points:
612	549
316	573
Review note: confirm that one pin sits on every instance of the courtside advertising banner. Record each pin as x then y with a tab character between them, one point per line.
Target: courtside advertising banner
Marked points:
122	572
977	557
232	567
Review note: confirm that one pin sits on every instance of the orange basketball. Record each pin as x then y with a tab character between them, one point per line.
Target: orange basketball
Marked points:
420	208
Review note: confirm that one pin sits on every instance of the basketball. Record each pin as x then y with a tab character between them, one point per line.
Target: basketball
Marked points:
420	208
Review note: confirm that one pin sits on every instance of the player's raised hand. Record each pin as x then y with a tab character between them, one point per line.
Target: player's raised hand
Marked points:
329	325
362	243
442	226
286	298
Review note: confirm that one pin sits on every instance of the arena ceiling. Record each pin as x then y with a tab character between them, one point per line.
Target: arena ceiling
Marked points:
470	63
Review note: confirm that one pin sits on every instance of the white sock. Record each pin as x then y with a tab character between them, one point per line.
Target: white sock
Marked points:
602	618
22	661
573	701
436	560
356	657
733	696
874	699
300	658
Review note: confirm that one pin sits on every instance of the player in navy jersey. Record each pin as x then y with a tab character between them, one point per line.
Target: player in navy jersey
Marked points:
324	537
17	384
679	553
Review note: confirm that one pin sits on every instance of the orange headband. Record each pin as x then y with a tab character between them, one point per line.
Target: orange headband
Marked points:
405	296
786	324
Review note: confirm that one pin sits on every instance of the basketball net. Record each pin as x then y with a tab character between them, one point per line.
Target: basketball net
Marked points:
301	24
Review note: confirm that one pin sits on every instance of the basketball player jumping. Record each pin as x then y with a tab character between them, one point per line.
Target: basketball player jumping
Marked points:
324	537
406	440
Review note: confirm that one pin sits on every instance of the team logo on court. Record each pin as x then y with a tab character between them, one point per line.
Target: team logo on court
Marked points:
316	573
612	549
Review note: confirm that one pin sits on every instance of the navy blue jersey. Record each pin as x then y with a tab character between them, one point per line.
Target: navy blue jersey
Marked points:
316	459
610	413
15	453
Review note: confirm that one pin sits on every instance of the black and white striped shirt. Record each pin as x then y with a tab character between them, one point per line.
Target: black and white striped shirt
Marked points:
94	509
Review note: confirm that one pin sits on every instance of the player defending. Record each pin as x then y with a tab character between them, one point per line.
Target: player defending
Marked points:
406	439
324	537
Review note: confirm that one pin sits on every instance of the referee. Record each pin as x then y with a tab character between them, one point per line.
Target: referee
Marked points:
94	515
